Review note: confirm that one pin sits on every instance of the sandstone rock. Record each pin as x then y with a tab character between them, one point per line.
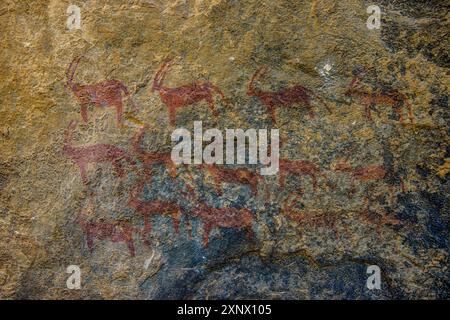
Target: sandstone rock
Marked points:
381	193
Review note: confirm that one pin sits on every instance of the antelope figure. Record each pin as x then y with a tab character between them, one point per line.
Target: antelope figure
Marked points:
366	173
115	231
296	94
226	217
152	158
185	95
108	93
318	219
379	219
298	167
149	209
392	98
99	153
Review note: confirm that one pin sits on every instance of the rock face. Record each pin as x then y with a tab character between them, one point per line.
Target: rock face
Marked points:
363	121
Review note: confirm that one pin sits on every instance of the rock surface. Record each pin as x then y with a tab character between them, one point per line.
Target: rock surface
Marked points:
382	184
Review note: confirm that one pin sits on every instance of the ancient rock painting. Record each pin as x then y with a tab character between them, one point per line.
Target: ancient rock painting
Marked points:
288	97
186	95
99	153
108	93
106	230
143	164
379	97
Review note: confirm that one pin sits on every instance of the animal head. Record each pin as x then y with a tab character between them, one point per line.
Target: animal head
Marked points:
70	72
160	74
261	72
352	87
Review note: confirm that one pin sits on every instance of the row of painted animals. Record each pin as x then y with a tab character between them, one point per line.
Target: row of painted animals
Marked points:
329	220
118	158
123	231
109	93
225	217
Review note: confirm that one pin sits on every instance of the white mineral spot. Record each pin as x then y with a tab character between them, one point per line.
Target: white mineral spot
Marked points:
148	261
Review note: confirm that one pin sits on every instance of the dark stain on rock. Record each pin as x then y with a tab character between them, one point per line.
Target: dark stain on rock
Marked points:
419	30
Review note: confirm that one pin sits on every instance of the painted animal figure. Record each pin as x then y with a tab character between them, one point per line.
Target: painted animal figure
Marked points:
238	175
115	231
148	209
287	97
149	159
366	173
378	220
184	96
391	98
311	218
226	217
108	93
298	167
99	153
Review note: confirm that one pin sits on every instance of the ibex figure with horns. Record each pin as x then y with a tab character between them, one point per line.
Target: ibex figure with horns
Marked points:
287	97
108	93
186	95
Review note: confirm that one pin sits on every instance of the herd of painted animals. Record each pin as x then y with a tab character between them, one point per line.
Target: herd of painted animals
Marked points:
111	93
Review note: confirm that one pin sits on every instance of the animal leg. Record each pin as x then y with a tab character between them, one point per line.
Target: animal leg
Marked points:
314	181
119	110
211	104
206	231
282	181
83	174
367	103
310	110
400	113
83	111
172	170
90	241
250	233
130	244
176	220
172	115
368	112
272	112
147	225
188	226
